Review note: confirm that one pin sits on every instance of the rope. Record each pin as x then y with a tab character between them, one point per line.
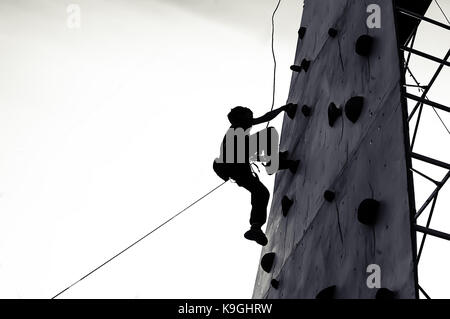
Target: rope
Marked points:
421	89
274	58
440	8
442	121
137	241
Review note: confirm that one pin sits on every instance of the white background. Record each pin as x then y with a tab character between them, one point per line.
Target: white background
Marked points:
108	130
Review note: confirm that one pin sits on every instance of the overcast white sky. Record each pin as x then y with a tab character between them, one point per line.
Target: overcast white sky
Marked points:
108	130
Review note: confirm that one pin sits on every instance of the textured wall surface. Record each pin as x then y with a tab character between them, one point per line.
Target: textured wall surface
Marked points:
320	243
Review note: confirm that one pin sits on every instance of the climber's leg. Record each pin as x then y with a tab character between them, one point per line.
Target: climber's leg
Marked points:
259	199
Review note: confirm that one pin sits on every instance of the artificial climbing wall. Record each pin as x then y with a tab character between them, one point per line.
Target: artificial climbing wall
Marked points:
355	155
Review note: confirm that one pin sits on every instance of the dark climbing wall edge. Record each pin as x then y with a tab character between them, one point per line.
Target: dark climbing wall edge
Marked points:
406	139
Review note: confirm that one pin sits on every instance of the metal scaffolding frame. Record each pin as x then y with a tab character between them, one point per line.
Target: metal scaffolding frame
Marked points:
405	51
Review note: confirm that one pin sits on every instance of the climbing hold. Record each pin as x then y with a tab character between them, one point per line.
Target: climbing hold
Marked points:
293	165
283	155
296	68
368	211
306	110
384	293
333	114
291	110
332	32
267	262
364	45
275	283
329	195
353	108
286	203
327	293
285	163
305	64
301	32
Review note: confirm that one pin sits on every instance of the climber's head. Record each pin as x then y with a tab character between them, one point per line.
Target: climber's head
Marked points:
240	116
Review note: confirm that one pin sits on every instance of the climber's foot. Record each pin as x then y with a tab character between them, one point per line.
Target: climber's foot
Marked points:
256	234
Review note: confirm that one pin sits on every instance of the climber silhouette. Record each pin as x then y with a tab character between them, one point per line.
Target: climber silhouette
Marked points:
241	171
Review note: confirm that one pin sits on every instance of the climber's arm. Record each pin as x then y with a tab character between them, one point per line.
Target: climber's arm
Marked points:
269	116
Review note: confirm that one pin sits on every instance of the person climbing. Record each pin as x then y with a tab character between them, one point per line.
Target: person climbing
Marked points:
241	118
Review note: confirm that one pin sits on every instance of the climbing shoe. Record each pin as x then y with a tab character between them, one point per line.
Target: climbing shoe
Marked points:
256	234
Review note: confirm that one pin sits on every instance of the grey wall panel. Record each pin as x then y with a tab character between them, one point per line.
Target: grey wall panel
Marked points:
354	159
